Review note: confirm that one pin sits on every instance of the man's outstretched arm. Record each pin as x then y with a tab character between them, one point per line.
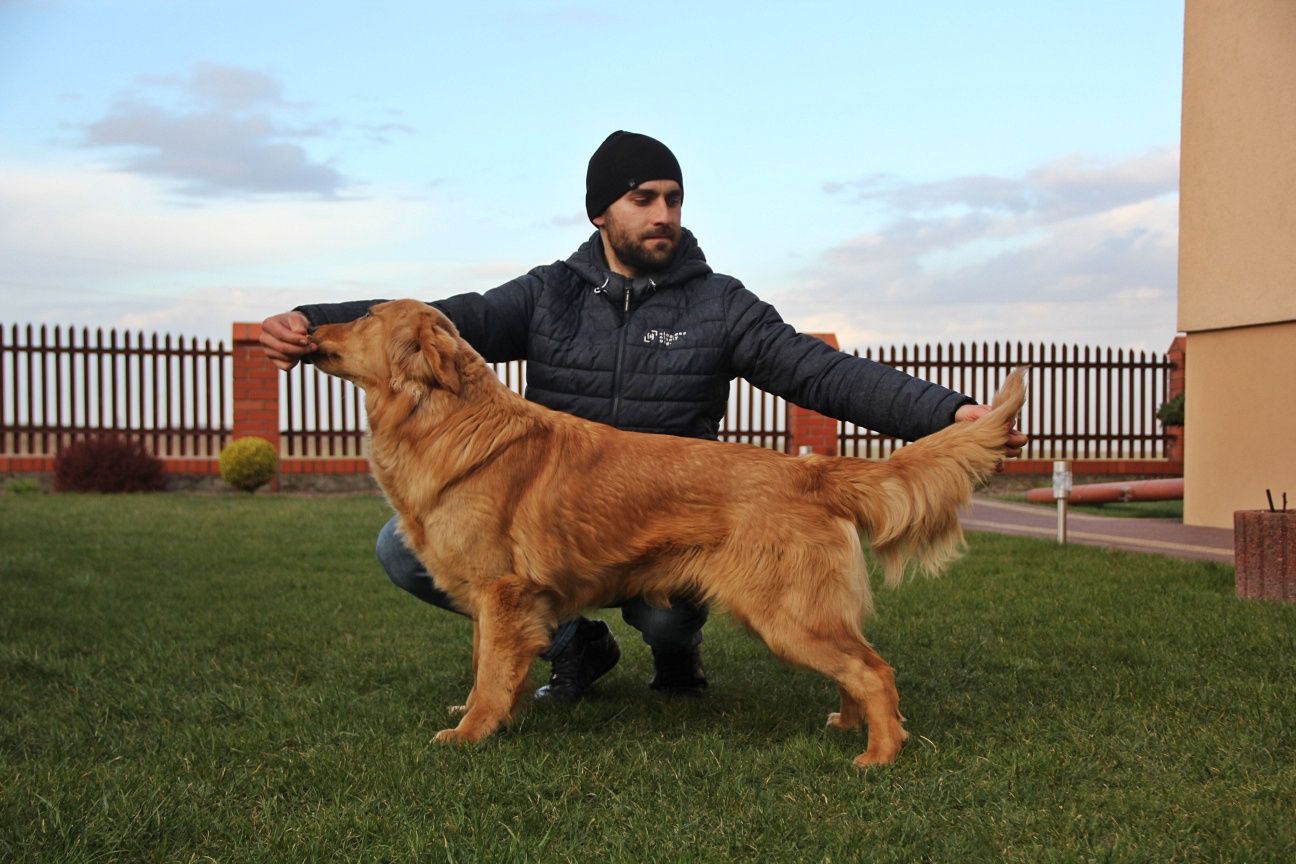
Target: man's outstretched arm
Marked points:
285	339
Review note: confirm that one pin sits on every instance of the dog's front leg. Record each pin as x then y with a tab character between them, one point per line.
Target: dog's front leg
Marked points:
510	631
456	710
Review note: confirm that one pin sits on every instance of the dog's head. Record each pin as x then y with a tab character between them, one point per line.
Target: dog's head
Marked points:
401	346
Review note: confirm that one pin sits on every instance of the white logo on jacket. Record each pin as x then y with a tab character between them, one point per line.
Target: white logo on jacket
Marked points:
661	337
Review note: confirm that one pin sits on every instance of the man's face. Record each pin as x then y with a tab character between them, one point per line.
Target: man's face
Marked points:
642	228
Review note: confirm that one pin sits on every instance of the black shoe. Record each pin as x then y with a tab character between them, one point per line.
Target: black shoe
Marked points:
678	673
590	654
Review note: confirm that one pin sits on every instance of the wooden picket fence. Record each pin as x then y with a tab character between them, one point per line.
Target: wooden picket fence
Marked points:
1083	403
174	394
61	384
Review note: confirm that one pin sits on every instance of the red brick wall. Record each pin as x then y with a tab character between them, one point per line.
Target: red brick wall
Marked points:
809	431
255	387
1177	353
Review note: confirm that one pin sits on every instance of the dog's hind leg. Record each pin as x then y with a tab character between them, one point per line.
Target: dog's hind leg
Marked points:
511	629
851	716
881	704
866	682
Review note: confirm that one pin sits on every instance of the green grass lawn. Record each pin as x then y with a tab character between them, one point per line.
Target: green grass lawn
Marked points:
233	679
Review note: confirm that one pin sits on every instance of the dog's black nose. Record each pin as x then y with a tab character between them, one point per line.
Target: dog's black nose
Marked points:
310	329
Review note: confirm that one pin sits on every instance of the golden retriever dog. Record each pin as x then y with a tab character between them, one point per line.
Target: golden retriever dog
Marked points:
526	517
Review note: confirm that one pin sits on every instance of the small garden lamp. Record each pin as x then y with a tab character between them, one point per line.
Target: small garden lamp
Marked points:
1061	492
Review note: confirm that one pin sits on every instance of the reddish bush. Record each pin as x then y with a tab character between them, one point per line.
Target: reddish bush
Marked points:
107	463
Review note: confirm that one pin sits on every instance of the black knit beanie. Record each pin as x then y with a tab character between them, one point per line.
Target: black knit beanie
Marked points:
621	163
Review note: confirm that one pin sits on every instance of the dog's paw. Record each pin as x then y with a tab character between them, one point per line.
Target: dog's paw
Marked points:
880	751
451	736
835	721
868	760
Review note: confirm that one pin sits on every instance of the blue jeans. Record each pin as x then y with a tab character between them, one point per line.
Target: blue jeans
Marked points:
674	629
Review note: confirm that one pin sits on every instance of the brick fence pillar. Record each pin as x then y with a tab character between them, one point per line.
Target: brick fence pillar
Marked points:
1177	353
809	429
256	387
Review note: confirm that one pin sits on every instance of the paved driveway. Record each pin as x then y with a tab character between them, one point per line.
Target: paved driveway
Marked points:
1163	536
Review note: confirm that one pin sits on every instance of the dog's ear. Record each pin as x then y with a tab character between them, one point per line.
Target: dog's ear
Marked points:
425	354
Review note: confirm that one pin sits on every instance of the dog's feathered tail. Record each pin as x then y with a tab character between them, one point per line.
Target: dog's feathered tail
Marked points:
907	506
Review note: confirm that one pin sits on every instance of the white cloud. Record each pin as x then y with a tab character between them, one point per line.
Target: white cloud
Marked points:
226	131
213	152
88	213
1062	188
1072	251
232	87
81	244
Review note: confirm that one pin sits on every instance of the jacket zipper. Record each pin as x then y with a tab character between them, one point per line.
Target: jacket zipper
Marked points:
616	372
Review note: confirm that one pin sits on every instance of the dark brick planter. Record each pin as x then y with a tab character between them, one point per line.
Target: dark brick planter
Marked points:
1264	549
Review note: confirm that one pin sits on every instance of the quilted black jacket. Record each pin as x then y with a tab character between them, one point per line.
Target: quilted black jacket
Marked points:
658	355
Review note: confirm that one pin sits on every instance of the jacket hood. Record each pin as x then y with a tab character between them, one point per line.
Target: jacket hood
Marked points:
591	265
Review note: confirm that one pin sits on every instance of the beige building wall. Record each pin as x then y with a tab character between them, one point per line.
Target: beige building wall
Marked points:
1240	427
1237	255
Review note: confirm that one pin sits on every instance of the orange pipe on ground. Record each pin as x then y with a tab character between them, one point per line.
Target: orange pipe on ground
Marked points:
1169	489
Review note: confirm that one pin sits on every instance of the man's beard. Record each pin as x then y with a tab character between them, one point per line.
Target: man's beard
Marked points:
644	256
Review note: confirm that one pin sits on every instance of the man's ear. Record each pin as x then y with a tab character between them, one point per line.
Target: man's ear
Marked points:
426	355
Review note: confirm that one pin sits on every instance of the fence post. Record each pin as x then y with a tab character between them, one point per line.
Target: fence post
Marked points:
1177	354
256	387
810	431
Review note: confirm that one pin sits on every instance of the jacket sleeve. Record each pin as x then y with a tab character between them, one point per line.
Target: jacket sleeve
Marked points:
336	313
495	323
805	370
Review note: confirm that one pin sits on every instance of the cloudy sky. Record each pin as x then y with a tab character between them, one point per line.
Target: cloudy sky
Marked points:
938	171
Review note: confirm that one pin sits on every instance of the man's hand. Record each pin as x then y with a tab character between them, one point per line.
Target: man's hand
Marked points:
1016	439
284	339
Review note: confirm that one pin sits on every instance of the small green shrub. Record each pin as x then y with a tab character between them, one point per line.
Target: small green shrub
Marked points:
249	463
23	486
107	463
1172	413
